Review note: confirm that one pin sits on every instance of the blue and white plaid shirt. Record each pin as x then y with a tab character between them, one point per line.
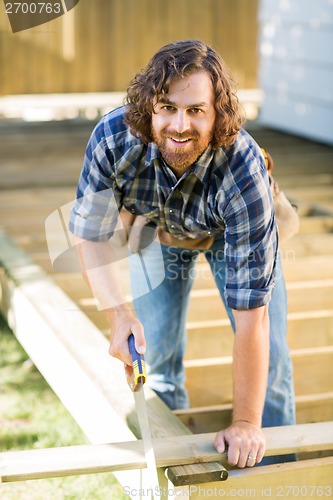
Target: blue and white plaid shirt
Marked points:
226	192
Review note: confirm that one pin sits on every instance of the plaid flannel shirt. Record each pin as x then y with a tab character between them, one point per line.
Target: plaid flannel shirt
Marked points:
225	193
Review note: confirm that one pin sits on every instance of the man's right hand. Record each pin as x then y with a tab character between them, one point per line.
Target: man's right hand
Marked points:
123	322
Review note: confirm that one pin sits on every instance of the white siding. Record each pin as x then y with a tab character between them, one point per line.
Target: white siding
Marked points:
296	66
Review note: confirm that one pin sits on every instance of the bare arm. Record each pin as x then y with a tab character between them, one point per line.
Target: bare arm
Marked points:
250	371
99	267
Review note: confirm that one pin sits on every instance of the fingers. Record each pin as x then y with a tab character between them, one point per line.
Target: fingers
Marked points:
120	331
140	341
245	444
219	442
128	373
119	348
261	452
251	459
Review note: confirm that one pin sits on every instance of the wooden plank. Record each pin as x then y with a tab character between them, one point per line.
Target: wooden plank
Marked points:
305	329
217	332
290	180
206	305
312	374
317	197
308	269
181	475
304	479
312	328
314	408
312	267
316	224
313	325
310	408
296	268
174	450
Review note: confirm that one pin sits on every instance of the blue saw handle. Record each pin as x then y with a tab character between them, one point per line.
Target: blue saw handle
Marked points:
139	366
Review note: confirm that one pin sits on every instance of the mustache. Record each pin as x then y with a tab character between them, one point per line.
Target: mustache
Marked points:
189	134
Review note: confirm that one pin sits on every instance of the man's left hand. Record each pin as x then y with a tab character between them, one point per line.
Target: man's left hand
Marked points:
243	442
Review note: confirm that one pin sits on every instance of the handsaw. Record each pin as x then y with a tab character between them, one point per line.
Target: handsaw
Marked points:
136	377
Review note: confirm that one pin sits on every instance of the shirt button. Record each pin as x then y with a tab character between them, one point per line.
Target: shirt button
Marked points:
170	210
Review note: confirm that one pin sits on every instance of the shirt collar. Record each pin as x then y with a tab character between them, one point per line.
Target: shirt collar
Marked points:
200	167
152	153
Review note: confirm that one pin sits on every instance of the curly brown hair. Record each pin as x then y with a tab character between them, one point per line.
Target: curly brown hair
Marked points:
178	60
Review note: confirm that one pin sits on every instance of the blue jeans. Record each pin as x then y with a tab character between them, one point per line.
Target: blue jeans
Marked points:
163	313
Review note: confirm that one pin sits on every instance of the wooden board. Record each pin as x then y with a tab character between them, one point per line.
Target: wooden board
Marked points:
174	450
304	479
305	329
312	374
206	304
310	408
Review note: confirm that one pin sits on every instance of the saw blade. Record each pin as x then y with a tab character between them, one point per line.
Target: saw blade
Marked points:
141	410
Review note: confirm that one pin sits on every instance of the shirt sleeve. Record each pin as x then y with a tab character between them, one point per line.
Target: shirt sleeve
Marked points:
251	243
96	210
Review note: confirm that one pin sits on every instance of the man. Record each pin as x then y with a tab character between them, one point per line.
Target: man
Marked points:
177	155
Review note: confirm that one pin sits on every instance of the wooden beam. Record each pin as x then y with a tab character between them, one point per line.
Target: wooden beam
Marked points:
316	224
206	304
314	408
312	374
171	451
310	328
181	475
290	180
313	193
304	479
296	268
310	408
305	329
310	267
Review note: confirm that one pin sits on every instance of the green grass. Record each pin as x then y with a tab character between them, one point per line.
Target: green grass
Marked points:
31	416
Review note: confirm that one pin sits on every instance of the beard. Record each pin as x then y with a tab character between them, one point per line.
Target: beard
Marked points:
181	158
